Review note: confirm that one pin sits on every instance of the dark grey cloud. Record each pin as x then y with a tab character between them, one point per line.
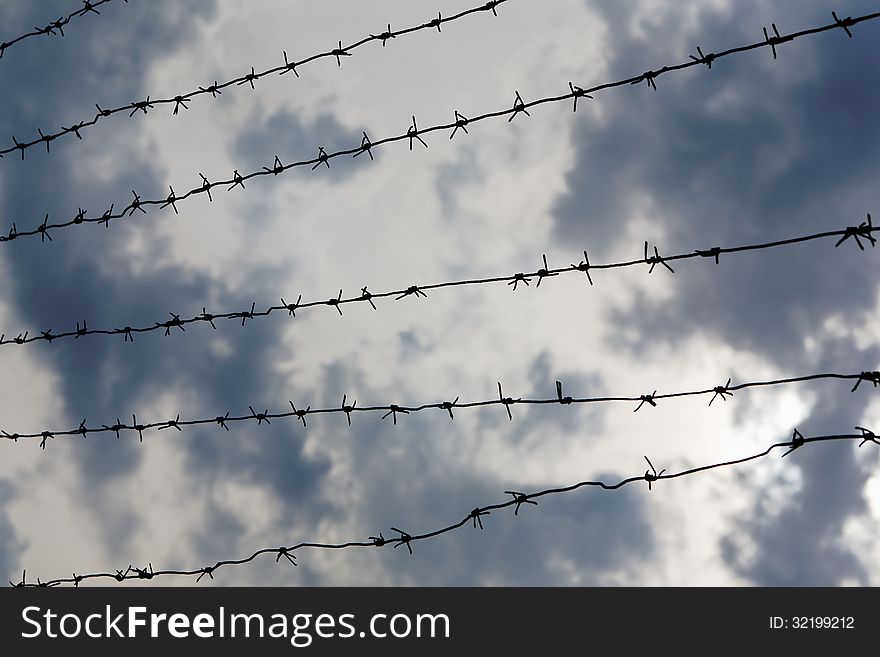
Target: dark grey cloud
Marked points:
792	153
748	151
287	134
10	545
535	422
802	543
56	284
402	480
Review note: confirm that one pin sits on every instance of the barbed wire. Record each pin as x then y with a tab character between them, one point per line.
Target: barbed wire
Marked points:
89	7
180	100
393	410
474	517
864	231
412	134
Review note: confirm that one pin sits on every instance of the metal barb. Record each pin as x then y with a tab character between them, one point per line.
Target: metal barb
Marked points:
797	440
652	475
646	399
722	392
519	499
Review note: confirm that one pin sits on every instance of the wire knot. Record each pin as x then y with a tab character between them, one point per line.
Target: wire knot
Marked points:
577	92
393	410
652	475
447	406
245	314
323	158
289	66
214	90
249	78
260	417
507	401
169	324
703	59
844	24
366	146
143	573
208	317
562	400
870	377
339	52
475	517
115	428
797	440
207	570
544	272
863	230
170	200
138	427
45	436
384	36
413	133
722	392
301	414
412	290
367	296
335	302
277	167
435	22
774	40
519	499
43	229
206	186
284	552
646	399
517	279
237	181
403	539
518	106
179	101
221	420
348	408
868	436
460	122
655	260
142	105
714	252
291	307
175	424
648	77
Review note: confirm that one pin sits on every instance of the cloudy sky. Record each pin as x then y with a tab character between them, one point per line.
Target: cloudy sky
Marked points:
751	150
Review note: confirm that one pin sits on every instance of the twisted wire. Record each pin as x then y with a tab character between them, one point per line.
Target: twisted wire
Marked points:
860	235
474	517
392	411
89	7
180	101
413	133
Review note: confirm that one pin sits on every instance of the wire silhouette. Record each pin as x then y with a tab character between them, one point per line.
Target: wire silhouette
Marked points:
863	231
180	101
474	517
412	133
392	410
89	7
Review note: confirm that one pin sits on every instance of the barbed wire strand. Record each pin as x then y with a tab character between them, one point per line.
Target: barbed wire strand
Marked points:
181	100
474	517
864	231
412	133
393	410
89	7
